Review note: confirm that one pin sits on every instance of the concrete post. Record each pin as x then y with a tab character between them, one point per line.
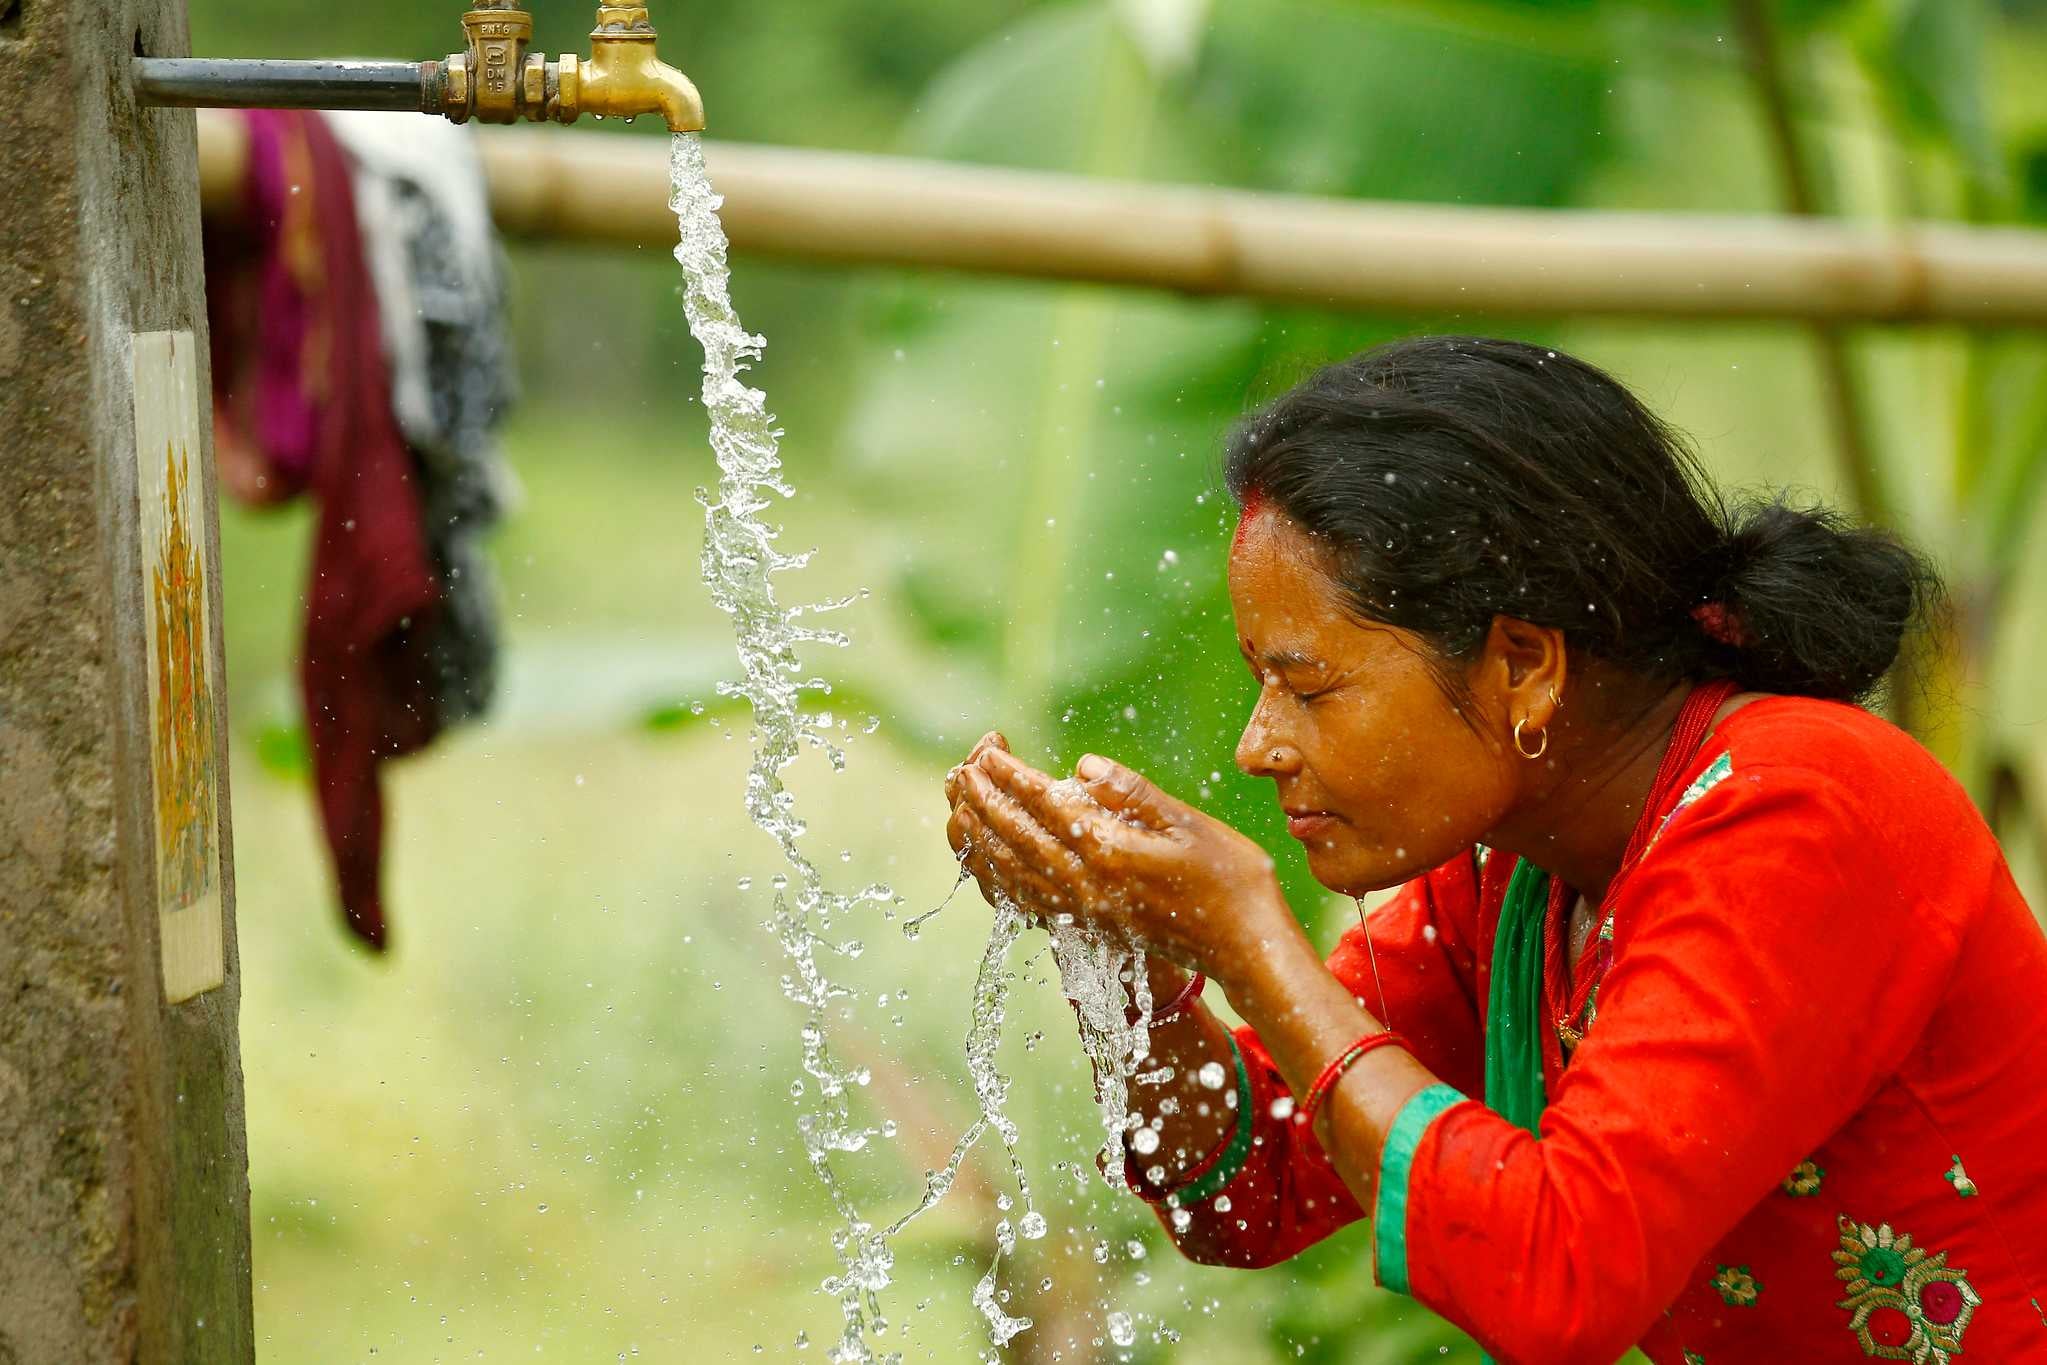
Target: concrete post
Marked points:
124	1213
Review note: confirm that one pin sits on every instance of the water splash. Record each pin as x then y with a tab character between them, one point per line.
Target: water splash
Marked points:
1105	981
1111	993
992	983
1001	1326
740	562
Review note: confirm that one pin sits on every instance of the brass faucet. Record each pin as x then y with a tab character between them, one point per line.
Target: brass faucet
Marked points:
496	80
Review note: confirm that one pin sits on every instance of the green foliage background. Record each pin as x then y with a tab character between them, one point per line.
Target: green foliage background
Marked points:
556	1122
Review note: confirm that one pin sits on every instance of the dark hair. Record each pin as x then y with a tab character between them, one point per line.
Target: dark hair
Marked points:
1459	478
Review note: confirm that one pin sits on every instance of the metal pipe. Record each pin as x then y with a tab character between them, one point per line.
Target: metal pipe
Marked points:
204	82
847	209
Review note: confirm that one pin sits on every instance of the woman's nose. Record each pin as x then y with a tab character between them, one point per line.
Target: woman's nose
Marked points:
1263	751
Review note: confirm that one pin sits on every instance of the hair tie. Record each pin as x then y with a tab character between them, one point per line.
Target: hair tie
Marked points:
1721	624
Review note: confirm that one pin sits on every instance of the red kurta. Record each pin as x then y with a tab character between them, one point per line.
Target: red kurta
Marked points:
1808	1117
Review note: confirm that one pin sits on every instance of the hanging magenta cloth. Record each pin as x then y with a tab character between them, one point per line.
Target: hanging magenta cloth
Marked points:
300	380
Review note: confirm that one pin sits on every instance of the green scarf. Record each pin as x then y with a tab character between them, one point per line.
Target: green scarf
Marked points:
1513	1026
1513	1035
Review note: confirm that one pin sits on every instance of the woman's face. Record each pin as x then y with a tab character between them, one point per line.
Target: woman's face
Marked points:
1379	775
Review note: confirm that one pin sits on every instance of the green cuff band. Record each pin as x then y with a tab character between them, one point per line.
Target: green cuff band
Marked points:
1396	1160
1227	1166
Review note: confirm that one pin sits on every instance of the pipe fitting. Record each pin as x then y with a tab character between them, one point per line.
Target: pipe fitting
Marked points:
498	38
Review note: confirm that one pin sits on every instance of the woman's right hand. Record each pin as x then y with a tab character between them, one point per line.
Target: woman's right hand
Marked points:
981	853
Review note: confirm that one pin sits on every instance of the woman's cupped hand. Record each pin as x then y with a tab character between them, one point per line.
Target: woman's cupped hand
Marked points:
1110	849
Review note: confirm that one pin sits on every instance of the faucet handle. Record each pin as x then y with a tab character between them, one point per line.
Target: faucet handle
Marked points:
616	21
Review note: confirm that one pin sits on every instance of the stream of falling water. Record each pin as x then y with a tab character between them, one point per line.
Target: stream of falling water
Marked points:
740	562
1105	982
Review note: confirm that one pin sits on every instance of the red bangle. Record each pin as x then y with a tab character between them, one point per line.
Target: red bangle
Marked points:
1331	1074
1188	994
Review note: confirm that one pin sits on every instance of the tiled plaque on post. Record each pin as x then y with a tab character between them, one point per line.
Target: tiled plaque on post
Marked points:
185	703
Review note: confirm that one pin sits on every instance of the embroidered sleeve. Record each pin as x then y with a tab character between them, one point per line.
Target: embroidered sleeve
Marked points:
1287	1196
1396	1166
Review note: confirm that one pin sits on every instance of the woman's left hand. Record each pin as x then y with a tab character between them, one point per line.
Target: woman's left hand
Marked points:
1121	855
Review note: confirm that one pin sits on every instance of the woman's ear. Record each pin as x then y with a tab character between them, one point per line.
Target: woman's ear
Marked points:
1522	671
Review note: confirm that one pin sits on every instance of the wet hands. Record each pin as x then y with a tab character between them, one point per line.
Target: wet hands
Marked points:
1118	855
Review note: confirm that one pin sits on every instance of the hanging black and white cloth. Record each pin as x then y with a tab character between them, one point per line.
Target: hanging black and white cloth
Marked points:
439	274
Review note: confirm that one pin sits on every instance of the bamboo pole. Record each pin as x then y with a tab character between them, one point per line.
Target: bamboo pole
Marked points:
848	209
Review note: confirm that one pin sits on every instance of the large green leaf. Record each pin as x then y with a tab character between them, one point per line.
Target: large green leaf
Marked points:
1396	105
1048	458
1930	59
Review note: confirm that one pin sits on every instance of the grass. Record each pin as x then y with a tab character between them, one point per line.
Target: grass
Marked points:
555	1121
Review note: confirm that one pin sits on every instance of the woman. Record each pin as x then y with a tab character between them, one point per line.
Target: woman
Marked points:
1707	1016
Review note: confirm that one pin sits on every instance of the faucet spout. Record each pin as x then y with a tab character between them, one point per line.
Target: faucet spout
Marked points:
624	78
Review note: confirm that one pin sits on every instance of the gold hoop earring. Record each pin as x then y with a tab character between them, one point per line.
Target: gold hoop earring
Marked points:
1521	749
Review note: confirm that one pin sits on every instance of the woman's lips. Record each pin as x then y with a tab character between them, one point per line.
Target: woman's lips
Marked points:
1306	824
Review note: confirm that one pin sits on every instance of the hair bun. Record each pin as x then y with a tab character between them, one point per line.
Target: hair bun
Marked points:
1818	606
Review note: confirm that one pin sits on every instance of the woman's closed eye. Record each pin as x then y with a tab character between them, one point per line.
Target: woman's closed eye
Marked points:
1303	690
1307	685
